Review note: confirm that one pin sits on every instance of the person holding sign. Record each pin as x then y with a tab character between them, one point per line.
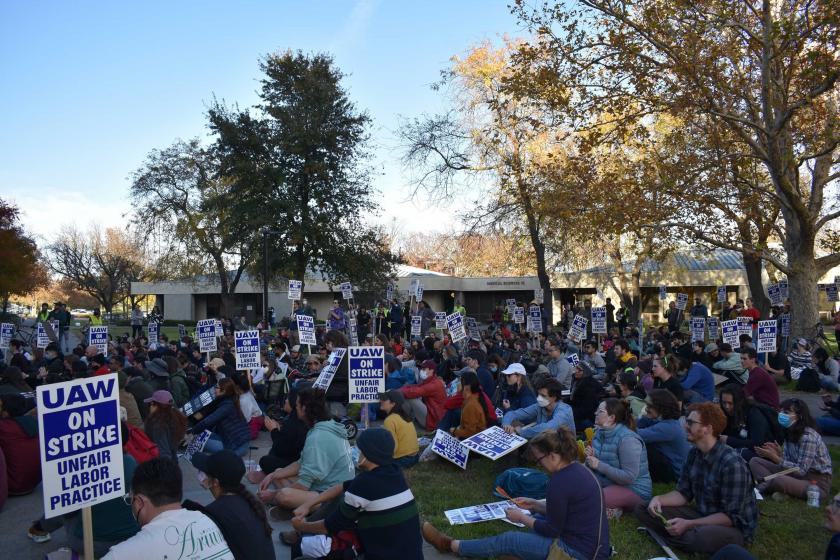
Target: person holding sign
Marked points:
549	413
336	317
572	518
229	427
155	501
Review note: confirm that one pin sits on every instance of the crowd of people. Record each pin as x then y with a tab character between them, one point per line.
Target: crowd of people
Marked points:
704	418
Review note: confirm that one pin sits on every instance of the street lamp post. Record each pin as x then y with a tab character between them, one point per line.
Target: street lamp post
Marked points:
266	231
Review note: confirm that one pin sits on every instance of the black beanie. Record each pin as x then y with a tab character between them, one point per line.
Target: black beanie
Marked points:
377	445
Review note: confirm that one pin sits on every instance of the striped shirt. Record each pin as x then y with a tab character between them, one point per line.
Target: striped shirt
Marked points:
379	505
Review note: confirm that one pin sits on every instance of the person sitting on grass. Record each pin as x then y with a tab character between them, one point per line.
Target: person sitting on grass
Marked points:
325	461
399	424
287	440
830	422
165	425
377	504
632	392
425	400
664	371
548	413
618	458
586	395
517	392
803	448
717	480
572	518
748	424
663	435
474	414
19	444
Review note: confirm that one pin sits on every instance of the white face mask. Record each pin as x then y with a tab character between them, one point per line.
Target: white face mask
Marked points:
543	401
423	374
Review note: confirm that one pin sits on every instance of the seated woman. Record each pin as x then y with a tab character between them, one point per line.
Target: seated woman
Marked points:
165	425
586	394
399	423
748	425
573	516
665	370
632	392
517	392
474	414
229	427
618	457
287	440
664	436
827	368
19	442
238	514
548	413
251	410
803	448
324	462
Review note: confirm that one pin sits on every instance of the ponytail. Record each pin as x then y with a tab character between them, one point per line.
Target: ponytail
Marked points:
256	506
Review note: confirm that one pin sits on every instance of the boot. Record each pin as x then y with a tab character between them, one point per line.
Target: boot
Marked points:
440	541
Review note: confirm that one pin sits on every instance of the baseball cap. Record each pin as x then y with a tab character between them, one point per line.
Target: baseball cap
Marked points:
217	363
225	466
160	397
711	347
429	364
296	348
802	342
514	368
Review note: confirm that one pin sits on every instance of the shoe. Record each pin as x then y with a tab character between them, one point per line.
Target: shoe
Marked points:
440	541
38	535
278	513
778	497
614	513
290	538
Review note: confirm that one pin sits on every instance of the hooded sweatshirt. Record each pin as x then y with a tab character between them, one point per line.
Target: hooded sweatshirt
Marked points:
325	460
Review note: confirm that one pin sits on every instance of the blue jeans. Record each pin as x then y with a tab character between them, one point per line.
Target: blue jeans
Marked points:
829	425
526	546
215	444
408	461
451	419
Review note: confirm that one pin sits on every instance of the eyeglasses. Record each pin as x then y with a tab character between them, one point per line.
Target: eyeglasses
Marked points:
690	422
537	460
128	499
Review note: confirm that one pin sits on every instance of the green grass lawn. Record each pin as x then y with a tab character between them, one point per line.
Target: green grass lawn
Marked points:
786	530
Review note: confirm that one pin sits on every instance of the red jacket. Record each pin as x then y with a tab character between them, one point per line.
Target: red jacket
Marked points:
23	458
433	393
457	401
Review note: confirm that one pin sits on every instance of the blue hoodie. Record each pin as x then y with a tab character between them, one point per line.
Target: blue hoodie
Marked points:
668	436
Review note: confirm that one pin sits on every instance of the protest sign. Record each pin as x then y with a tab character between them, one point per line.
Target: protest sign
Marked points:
247	346
346	290
714	328
416	322
766	336
472	329
783	287
207	335
353	323
721	294
831	292
663	292
539	296
42	339
455	326
197	444
730	333
389	292
182	331
682	301
306	330
578	330
535	319
786	324
98	337
199	401
510	302
366	373
774	292
744	326
440	320
7	331
599	320
154	330
573	359
484	512
326	376
419	292
641	331
494	442
80	443
295	289
698	328
518	315
220	332
448	447
412	290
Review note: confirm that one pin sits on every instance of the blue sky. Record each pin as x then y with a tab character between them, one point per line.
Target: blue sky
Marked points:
90	88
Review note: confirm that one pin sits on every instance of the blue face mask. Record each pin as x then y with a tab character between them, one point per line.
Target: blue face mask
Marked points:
785	420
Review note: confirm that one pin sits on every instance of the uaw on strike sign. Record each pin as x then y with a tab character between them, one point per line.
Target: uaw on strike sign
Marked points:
367	373
81	445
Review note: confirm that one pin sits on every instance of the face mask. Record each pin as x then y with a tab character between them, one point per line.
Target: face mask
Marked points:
785	420
542	401
494	369
423	374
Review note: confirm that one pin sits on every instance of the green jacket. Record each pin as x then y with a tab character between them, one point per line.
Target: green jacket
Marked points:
179	388
325	460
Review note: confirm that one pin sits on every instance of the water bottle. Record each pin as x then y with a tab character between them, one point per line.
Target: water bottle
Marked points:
813	495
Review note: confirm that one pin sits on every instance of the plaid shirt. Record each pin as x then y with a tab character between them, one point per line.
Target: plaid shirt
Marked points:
808	454
720	482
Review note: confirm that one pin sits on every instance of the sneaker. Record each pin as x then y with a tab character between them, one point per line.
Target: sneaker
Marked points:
614	513
38	535
278	513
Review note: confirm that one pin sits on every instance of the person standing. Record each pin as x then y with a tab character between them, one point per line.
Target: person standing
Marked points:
698	309
719	483
136	321
336	317
610	314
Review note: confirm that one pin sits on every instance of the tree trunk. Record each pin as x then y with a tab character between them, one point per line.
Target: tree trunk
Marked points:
804	295
752	265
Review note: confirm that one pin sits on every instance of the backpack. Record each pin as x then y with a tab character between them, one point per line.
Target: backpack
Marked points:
521	482
345	545
140	446
808	381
